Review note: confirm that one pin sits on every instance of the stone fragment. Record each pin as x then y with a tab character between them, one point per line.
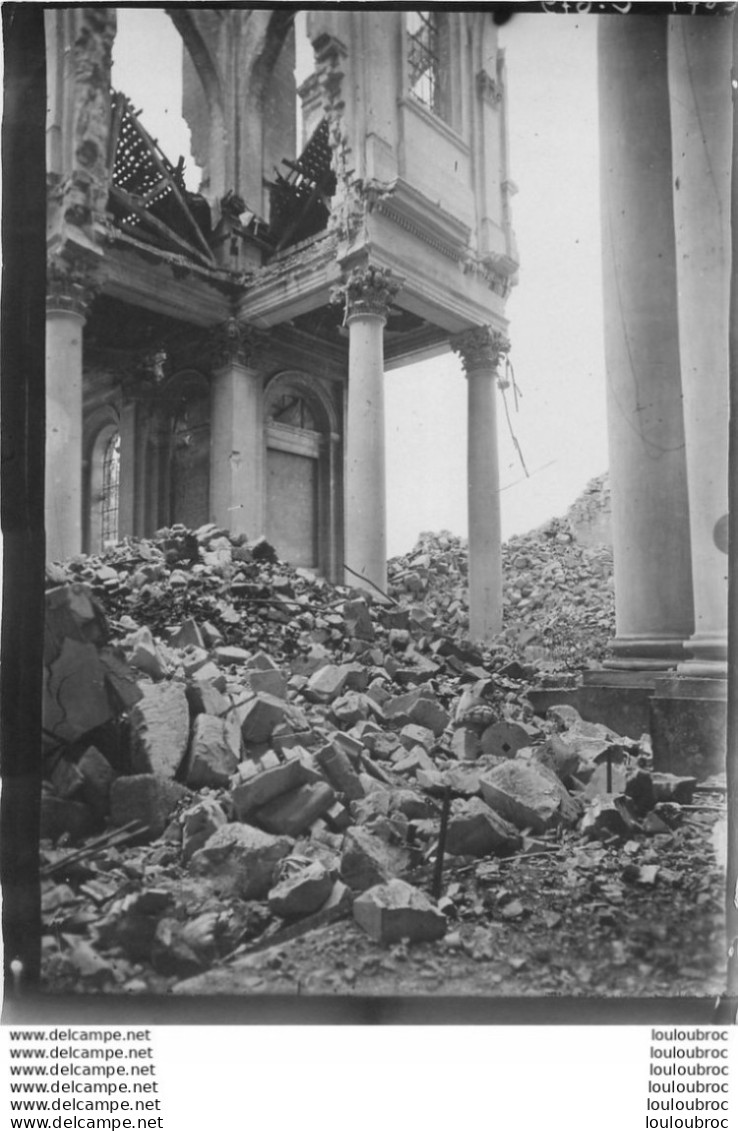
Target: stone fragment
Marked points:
227	654
301	893
292	813
396	910
75	696
413	735
260	716
358	620
336	765
188	635
476	830
97	778
268	682
338	817
328	682
160	727
262	662
210	673
465	744
148	798
205	699
240	860
504	738
609	816
59	816
367	860
65	778
411	804
198	825
415	760
528	797
213	754
263	785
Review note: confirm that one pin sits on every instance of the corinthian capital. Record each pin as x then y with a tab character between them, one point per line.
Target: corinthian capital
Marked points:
367	290
70	286
235	343
480	348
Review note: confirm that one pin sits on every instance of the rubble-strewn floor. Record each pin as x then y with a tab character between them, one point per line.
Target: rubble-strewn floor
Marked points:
253	799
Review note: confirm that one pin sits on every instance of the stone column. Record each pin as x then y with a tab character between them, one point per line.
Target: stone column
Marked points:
480	350
236	434
368	295
650	509
67	302
700	59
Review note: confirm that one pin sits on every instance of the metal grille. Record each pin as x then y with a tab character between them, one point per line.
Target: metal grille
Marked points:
110	490
423	58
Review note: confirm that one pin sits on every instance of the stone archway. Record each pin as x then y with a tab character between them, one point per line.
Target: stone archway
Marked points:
302	487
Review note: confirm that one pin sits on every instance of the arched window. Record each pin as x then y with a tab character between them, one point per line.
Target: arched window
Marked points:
110	490
101	481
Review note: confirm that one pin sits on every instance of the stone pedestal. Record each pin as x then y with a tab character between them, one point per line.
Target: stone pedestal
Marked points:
700	59
236	449
650	510
365	520
689	725
65	319
480	350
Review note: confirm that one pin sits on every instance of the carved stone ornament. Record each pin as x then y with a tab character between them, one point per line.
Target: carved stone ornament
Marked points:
70	286
480	348
367	290
87	188
489	88
235	343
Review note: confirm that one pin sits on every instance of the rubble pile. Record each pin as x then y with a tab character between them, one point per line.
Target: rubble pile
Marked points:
294	753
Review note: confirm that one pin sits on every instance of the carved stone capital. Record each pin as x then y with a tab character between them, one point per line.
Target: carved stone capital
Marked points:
366	291
236	343
144	375
480	348
489	88
70	286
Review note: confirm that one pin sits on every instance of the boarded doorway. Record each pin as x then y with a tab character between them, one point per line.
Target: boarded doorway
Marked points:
292	506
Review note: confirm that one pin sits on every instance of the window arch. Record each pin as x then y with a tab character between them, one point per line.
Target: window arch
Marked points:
102	482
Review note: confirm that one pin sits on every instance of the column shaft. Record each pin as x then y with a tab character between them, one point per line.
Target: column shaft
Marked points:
700	58
653	583
127	483
236	450
365	510
63	480
485	557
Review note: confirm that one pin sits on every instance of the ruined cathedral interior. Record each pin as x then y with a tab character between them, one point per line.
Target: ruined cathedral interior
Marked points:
217	355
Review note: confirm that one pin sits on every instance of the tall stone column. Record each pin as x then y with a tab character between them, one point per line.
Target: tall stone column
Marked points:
700	59
67	301
368	295
480	350
236	433
651	522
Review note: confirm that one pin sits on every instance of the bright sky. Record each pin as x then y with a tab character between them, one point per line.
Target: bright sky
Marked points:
555	311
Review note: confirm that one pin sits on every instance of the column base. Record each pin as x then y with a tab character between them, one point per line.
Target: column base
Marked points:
646	653
707	655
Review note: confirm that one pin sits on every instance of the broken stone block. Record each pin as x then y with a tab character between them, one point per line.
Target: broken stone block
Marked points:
504	738
609	816
367	860
529	797
60	816
292	813
375	804
350	708
411	804
396	910
415	760
130	923
268	682
263	785
476	830
198	825
171	954
196	660
76	699
381	745
670	787
413	735
358	620
227	654
97	778
160	729
241	860
261	661
465	744
188	635
260	716
205	699
425	712
301	893
65	778
148	798
336	765
338	817
398	708
328	682
597	784
212	757
210	673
